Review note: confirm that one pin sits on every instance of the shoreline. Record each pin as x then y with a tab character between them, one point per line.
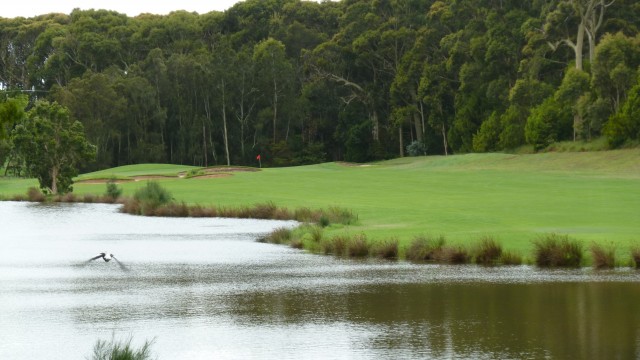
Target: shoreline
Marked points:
309	236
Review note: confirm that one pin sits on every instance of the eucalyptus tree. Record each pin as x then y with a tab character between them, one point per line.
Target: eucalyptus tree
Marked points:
12	112
223	76
245	97
616	67
53	146
575	86
625	124
93	99
439	77
404	90
570	21
274	75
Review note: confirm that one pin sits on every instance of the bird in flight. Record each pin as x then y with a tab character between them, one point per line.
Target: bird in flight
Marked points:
107	257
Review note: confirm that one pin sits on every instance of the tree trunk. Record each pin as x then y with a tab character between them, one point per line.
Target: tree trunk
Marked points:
444	140
579	46
417	123
275	107
207	110
224	124
401	141
375	131
204	144
54	180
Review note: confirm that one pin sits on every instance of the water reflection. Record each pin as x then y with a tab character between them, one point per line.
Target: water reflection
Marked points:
204	291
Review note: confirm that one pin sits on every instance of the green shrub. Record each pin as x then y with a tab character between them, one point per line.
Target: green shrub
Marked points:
416	148
324	221
557	250
194	173
113	191
151	196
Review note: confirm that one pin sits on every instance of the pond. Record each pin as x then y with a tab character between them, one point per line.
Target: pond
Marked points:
206	289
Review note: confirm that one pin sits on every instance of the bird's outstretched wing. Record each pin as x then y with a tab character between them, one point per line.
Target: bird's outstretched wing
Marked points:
119	263
96	257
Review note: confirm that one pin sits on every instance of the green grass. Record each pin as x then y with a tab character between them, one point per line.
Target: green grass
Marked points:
594	197
129	171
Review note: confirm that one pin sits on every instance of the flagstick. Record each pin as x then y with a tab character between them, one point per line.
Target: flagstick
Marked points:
260	162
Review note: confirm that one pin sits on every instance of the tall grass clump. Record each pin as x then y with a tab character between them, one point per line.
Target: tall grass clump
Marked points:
324	221
386	249
116	350
200	211
635	256
262	211
172	209
510	258
488	251
557	250
35	195
337	245
303	214
453	255
358	246
603	258
424	248
316	233
278	236
342	216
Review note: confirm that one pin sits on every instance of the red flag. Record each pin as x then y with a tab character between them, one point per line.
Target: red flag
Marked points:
258	157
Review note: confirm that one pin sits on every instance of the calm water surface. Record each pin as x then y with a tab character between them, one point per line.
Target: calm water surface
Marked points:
205	289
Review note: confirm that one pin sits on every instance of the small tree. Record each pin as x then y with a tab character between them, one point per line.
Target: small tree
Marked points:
113	191
625	125
416	148
53	146
152	195
548	123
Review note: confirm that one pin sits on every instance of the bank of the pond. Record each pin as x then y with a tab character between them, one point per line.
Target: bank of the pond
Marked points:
514	199
550	250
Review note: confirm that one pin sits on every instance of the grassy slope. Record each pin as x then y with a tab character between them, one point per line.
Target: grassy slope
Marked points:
590	196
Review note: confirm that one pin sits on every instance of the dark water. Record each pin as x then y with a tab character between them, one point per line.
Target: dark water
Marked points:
205	289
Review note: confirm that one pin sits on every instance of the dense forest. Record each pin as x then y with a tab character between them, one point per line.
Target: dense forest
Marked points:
300	82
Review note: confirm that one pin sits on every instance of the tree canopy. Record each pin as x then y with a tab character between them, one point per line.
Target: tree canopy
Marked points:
358	80
52	145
